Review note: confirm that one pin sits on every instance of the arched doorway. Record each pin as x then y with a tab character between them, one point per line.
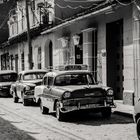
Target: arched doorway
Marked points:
48	54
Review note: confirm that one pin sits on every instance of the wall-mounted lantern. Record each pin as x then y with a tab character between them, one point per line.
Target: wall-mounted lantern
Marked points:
76	39
64	41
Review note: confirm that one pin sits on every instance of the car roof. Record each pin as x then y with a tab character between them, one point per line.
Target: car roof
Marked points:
32	71
7	72
56	73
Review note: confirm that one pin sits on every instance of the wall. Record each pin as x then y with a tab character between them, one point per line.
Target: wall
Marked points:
127	42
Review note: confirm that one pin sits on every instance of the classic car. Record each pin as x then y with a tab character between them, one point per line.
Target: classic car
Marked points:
72	90
7	77
23	88
136	117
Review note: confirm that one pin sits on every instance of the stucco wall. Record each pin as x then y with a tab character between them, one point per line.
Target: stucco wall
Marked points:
126	15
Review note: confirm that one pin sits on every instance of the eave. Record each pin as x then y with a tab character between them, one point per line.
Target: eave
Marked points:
101	9
23	36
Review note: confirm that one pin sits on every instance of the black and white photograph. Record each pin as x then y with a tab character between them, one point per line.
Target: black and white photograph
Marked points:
69	69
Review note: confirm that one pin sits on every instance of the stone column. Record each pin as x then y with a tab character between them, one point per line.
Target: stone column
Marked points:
90	48
136	49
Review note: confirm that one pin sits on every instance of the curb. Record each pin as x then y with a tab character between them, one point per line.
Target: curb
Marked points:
125	114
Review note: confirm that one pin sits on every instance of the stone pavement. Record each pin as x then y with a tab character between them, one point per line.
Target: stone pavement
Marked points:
123	109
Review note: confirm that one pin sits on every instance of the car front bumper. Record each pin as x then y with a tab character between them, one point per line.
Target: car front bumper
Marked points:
79	106
29	95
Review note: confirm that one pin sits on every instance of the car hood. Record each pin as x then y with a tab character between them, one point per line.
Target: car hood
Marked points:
72	88
82	91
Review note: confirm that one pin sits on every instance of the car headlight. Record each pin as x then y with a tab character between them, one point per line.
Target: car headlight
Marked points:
67	94
27	88
110	92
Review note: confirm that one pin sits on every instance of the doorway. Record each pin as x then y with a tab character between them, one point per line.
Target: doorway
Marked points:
79	51
115	65
16	63
49	54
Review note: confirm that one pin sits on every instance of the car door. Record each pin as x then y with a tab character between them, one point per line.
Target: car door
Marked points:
47	94
18	85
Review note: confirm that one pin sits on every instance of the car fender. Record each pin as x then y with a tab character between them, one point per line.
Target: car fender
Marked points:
13	89
38	92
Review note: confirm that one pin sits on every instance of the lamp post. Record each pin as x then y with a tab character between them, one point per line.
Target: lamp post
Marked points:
76	39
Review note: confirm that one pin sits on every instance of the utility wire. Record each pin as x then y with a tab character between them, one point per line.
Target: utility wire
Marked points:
84	1
125	4
68	6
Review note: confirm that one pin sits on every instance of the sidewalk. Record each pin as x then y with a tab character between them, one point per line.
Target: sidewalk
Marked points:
122	109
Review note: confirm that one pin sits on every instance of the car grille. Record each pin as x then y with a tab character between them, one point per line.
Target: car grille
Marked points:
82	93
84	101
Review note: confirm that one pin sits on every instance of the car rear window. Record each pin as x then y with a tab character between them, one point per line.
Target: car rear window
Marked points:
8	77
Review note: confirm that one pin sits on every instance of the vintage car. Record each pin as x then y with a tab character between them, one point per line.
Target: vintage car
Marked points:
23	88
136	117
72	90
7	77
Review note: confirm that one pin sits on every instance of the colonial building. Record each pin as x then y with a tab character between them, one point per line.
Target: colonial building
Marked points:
5	9
104	34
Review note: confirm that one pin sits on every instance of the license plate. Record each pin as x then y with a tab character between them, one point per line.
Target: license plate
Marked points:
91	106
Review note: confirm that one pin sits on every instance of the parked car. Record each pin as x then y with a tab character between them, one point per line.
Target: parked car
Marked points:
136	117
23	88
71	90
7	77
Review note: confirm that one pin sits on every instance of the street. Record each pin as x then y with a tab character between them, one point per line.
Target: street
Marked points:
18	122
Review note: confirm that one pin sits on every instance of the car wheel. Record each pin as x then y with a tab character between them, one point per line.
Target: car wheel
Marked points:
43	109
106	113
15	98
138	128
25	102
59	114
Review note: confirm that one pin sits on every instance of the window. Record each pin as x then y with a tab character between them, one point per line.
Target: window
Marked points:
11	60
50	81
74	79
22	61
45	81
39	58
33	10
33	5
5	63
20	77
34	76
8	77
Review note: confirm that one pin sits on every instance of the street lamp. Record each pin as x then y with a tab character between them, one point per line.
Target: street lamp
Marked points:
76	39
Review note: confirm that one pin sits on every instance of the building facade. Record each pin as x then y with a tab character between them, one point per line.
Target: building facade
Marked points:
102	34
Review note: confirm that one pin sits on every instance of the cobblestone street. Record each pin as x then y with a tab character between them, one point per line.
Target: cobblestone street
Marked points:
19	123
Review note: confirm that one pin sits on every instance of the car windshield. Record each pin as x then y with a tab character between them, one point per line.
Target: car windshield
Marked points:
34	76
74	79
8	77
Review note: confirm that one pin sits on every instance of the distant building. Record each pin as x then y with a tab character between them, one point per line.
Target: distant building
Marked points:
5	8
